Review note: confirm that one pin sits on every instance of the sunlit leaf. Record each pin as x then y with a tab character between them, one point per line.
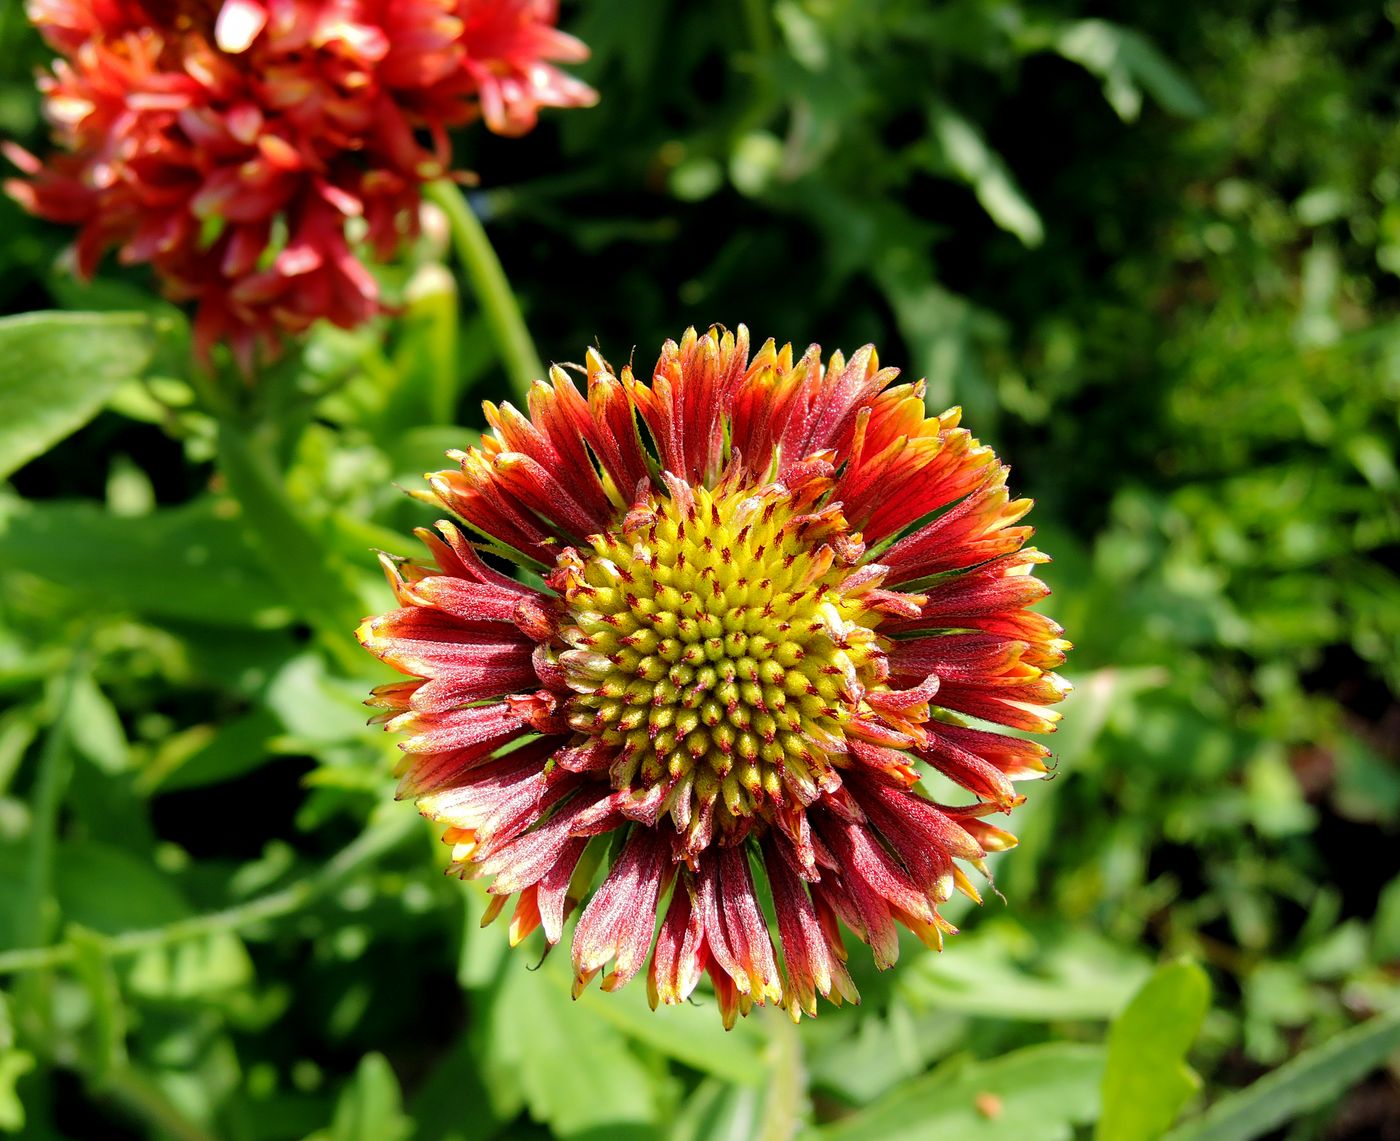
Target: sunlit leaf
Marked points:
1037	1094
1313	1078
1146	1080
56	372
180	562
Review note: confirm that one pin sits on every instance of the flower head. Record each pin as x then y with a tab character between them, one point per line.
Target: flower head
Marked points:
230	143
764	611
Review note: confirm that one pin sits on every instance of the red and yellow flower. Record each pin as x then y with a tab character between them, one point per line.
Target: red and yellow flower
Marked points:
230	143
773	591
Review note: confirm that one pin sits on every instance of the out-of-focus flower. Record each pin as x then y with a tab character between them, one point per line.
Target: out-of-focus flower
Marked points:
759	625
231	143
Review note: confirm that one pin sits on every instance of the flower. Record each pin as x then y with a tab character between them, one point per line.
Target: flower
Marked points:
763	612
235	144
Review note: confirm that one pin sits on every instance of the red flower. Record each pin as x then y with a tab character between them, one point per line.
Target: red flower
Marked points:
232	144
759	624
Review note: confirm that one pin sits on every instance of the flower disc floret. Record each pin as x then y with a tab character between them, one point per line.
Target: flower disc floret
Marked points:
722	643
775	594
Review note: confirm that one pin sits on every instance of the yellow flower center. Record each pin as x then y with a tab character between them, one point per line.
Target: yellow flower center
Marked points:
713	647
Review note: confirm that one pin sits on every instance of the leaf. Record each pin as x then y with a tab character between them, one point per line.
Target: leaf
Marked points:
107	1046
718	1111
689	1033
1088	980
370	1107
207	754
456	1081
1146	1080
96	730
14	1064
1036	1094
576	1072
314	708
177	562
1313	1078
426	353
208	967
1127	63
972	160
57	370
110	890
293	551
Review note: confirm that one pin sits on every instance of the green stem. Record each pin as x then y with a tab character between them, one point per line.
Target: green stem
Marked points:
293	552
145	1099
786	1108
367	848
757	16
493	292
50	782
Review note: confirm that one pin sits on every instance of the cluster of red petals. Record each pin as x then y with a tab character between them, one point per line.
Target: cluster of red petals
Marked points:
230	142
536	804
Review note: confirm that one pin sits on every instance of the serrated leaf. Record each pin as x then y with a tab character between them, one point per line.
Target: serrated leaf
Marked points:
1146	1080
56	372
575	1071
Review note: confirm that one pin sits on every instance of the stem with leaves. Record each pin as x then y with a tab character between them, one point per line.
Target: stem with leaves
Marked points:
293	552
366	849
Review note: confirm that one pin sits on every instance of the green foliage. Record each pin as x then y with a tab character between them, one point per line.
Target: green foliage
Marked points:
1145	1081
56	371
1036	1094
1305	1082
1152	249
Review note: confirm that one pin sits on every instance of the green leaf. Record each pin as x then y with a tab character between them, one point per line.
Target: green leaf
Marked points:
1086	980
110	890
97	728
1313	1078
370	1107
56	372
179	562
576	1072
972	160
208	967
426	355
292	548
14	1064
35	915
106	1048
718	1111
1036	1094
1146	1080
207	754
1127	63
455	1081
689	1033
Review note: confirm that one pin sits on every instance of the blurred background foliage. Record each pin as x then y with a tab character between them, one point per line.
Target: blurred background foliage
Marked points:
1153	249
